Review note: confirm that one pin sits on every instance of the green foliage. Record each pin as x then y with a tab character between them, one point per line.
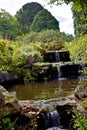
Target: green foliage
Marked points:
76	2
84	70
45	36
43	20
9	25
79	9
80	22
7	124
80	121
78	49
26	15
18	58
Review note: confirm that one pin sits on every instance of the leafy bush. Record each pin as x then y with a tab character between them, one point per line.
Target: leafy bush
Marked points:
45	36
44	20
17	57
78	49
80	121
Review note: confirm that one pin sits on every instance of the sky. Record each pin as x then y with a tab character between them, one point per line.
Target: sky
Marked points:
62	13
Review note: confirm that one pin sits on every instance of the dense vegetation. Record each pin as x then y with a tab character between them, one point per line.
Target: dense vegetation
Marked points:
79	10
26	15
43	20
9	25
45	36
18	56
80	22
78	49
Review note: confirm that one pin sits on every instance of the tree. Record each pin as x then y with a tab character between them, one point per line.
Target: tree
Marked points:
77	3
43	20
26	15
9	24
80	23
79	9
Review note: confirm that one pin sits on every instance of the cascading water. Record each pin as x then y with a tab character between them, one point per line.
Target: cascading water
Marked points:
49	118
59	78
57	56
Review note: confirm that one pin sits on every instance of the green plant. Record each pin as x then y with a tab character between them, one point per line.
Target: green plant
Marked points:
78	49
6	122
84	70
18	58
45	36
80	121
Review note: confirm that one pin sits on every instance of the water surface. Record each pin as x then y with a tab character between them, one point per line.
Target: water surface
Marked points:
47	90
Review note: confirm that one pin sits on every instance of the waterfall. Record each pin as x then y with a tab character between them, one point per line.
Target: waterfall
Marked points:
59	77
57	56
48	120
59	71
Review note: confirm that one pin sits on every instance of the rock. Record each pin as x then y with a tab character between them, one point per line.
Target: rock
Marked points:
6	76
30	110
66	115
81	91
56	128
8	101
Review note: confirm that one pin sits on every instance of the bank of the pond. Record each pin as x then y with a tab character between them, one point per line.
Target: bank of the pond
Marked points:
45	114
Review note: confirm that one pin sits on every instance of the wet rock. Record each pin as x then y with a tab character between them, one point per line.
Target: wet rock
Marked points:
80	94
66	115
30	110
8	101
45	72
47	119
56	128
81	90
56	56
3	91
8	78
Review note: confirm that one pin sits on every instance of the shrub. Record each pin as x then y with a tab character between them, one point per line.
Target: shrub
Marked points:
17	58
78	49
80	121
45	36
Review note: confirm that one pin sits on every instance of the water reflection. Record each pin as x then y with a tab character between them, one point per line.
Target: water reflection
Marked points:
47	90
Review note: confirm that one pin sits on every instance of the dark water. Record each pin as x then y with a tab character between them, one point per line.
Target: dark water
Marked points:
47	90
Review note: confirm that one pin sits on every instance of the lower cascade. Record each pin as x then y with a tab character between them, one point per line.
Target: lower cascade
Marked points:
50	114
48	120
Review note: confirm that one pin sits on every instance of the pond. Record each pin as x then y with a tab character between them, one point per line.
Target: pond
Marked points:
47	90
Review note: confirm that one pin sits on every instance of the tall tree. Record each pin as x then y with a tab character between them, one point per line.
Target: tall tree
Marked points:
43	20
79	9
9	24
26	15
80	23
81	3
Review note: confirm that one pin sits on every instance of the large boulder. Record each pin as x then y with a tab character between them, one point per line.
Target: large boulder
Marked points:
81	94
81	90
8	102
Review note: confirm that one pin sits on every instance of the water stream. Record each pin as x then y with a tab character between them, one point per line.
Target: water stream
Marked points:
47	96
57	57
